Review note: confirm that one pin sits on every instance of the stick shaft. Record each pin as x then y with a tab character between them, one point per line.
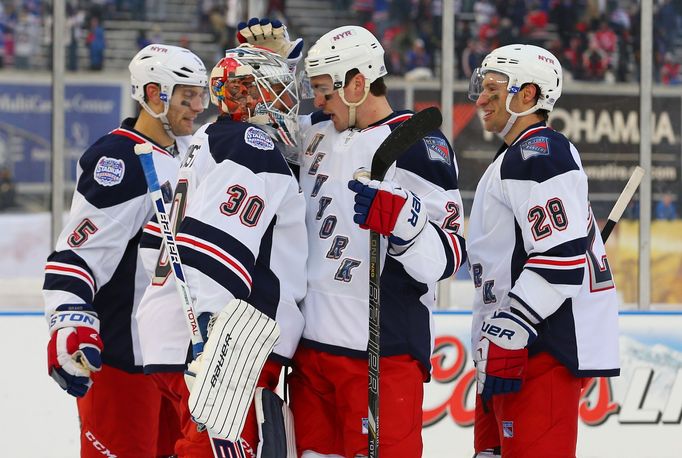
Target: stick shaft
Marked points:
622	202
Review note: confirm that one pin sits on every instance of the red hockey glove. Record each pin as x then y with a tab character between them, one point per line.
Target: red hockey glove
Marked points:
501	356
386	208
75	347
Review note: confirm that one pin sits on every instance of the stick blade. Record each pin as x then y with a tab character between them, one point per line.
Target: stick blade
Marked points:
402	138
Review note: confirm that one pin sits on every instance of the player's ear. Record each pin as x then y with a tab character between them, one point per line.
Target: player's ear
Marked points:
152	93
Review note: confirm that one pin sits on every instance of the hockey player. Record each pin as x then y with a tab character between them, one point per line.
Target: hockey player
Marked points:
545	314
241	235
94	279
329	382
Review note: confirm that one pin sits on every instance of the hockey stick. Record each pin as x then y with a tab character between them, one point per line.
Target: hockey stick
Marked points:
220	447
622	202
400	140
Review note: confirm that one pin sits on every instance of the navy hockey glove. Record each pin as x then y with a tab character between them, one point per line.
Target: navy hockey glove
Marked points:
273	36
75	347
384	207
501	356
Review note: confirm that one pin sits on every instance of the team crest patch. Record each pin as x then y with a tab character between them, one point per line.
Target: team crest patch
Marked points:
508	428
536	146
438	149
109	171
258	139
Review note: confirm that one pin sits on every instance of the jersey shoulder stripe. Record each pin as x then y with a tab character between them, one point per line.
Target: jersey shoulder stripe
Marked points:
247	145
538	155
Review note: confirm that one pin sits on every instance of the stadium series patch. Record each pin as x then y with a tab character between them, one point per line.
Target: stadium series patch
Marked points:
258	139
109	171
536	146
438	149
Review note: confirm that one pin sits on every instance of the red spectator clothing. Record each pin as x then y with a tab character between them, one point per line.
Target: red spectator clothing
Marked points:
606	39
670	73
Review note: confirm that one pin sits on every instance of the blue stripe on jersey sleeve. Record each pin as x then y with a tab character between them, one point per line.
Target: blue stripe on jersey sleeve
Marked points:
151	239
265	293
450	261
518	164
132	184
560	277
226	142
432	159
72	284
209	265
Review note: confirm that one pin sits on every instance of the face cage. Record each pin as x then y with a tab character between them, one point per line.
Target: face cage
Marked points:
278	107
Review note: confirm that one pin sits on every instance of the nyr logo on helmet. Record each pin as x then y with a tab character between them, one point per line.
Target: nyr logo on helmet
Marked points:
109	171
536	146
258	139
342	35
156	48
438	149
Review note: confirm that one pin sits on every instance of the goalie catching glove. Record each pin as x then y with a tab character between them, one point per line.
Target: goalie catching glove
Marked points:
75	347
501	356
222	380
273	36
386	208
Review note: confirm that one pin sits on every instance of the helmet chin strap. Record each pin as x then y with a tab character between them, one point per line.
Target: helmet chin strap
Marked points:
514	116
160	116
353	105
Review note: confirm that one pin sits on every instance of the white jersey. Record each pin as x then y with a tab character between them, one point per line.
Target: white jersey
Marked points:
97	259
241	235
336	307
532	237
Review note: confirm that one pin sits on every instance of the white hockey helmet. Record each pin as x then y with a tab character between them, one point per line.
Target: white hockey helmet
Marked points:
343	49
166	66
522	64
256	85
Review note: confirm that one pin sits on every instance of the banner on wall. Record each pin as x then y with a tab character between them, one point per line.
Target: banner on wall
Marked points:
635	415
26	125
605	129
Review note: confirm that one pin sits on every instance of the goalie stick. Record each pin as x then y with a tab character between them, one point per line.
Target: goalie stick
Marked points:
220	447
400	140
622	202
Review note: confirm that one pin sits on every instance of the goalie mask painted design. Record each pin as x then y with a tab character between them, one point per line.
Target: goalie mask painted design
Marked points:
166	66
255	85
522	64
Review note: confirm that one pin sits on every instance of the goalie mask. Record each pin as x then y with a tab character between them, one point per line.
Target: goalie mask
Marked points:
255	85
166	66
517	65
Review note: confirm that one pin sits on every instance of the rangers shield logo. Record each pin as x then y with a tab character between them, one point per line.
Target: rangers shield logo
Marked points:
438	149
536	146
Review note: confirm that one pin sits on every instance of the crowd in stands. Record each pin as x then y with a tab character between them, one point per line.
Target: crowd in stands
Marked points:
596	40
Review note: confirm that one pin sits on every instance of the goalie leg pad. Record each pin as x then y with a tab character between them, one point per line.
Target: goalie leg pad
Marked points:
239	343
275	426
